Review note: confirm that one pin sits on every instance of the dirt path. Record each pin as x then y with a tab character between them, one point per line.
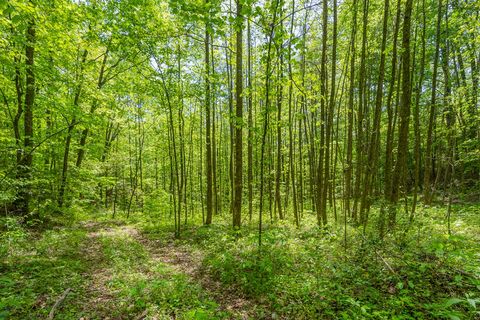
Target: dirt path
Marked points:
100	299
189	262
179	258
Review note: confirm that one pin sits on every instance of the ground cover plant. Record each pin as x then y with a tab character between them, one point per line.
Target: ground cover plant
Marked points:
240	159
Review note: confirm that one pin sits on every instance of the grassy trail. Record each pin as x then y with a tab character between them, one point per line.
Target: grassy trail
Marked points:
138	270
152	260
113	271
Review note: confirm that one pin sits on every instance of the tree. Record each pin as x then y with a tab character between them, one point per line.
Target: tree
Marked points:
237	205
208	140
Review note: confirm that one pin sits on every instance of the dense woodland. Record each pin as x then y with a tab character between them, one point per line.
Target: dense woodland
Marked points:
250	159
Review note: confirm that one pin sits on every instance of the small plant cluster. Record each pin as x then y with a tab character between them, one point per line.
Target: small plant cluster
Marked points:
126	270
309	273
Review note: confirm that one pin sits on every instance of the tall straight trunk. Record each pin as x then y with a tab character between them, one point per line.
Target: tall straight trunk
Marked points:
399	176
427	183
173	201
278	169
291	121
16	120
361	113
331	109
473	128
301	132
265	120
237	206
175	176
66	151
181	135
29	94
302	119
448	110
200	165
208	143
390	125
71	126
231	128
93	107
322	161
450	122
24	170
416	115
351	97
313	166
250	123
270	168
133	173
213	133
371	165
475	75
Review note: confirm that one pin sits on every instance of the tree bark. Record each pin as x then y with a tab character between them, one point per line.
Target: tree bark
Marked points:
237	206
427	183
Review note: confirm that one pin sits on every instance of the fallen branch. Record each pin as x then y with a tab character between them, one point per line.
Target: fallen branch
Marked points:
57	303
381	258
142	315
385	262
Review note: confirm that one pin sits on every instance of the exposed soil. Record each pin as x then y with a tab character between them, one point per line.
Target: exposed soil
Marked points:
178	257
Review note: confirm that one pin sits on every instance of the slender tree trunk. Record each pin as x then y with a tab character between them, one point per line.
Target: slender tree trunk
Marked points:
237	206
213	138
329	127
278	169
25	159
416	114
291	121
250	123
85	132
265	120
371	166
361	114
390	125
71	126
427	183
351	97
399	176
175	177
322	175
208	143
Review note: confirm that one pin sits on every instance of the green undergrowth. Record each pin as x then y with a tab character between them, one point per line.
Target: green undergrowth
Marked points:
417	272
35	269
110	274
143	285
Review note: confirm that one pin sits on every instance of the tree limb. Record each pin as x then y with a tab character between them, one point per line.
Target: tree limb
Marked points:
58	302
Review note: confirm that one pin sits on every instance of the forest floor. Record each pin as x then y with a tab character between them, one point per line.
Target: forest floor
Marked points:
100	268
111	270
178	264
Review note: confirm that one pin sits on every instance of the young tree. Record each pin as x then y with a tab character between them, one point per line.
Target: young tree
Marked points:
237	205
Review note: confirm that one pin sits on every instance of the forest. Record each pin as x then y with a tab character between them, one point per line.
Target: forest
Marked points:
240	159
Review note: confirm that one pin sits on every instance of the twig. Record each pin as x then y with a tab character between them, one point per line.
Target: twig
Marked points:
58	302
142	315
381	258
385	262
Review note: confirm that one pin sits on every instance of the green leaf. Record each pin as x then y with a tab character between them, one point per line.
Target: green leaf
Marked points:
473	303
452	301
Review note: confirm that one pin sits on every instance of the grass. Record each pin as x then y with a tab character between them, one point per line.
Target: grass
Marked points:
304	273
308	273
111	275
37	270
